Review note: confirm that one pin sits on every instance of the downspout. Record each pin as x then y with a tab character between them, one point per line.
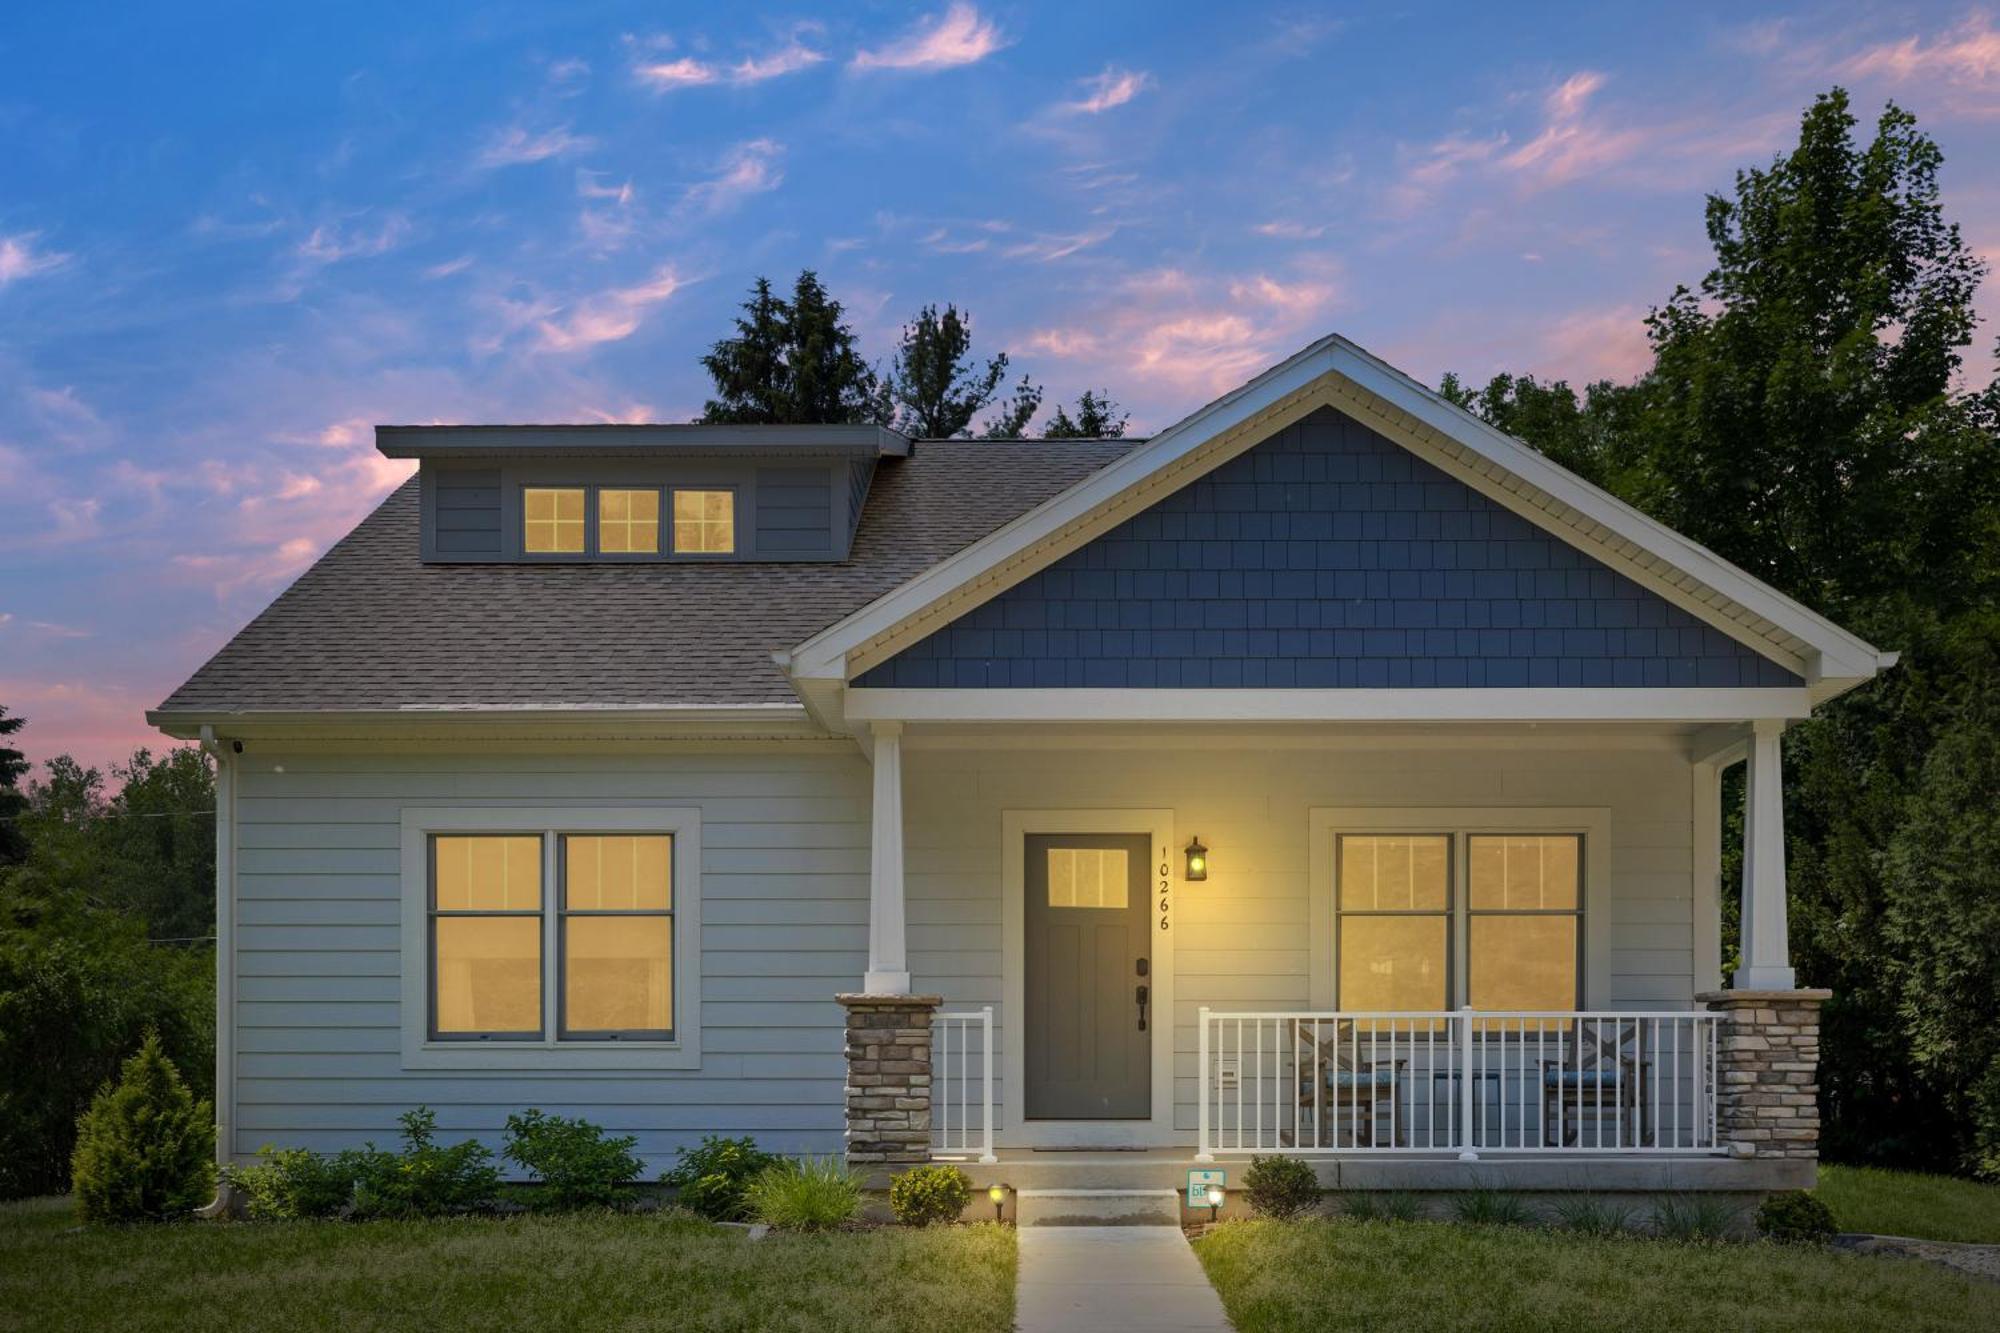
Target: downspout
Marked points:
224	754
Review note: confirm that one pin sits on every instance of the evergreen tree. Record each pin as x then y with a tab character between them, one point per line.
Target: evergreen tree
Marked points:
935	385
791	362
13	767
1097	418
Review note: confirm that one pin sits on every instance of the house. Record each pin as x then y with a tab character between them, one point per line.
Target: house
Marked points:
1329	774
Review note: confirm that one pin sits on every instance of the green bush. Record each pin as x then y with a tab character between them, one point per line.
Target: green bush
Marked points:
1591	1216
145	1150
1692	1218
423	1180
1490	1208
577	1165
806	1194
927	1194
1281	1188
293	1183
712	1178
1797	1217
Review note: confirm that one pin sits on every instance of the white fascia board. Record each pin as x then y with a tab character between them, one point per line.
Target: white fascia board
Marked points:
824	656
1339	705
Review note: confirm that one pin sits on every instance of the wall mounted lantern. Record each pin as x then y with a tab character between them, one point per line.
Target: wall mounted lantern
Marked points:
1197	860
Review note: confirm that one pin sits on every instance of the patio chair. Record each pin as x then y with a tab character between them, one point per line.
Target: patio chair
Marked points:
1365	1089
1599	1078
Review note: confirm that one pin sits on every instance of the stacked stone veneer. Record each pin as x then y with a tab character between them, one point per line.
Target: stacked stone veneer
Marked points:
888	1093
1767	1076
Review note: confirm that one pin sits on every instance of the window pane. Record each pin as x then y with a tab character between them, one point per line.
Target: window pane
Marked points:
1392	963
618	873
1523	874
705	522
552	520
489	974
628	522
489	874
618	974
1089	877
1399	873
1523	962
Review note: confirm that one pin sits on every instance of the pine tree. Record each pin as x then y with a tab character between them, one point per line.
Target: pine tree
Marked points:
791	362
145	1148
13	767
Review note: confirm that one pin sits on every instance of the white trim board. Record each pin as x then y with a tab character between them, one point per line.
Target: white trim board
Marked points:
1189	706
1336	372
1015	1130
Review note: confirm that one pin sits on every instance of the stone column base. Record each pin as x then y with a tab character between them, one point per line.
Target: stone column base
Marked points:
888	1092
1767	1071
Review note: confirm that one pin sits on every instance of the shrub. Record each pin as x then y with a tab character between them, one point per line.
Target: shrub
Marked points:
1796	1217
145	1150
807	1194
577	1165
293	1183
424	1180
1401	1206
1692	1218
926	1194
712	1178
1490	1208
1281	1188
1592	1216
1362	1207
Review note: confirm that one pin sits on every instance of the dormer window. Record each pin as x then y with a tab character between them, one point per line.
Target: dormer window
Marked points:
704	522
552	520
628	522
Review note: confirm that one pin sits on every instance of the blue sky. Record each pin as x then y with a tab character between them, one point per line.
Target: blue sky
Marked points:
235	236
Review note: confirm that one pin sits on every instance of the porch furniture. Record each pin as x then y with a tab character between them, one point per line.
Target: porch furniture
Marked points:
1597	1076
1334	1074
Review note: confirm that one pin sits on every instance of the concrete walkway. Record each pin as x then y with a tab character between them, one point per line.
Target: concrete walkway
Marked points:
1101	1279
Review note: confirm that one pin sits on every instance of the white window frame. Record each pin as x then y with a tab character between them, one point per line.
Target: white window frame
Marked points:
1591	823
421	823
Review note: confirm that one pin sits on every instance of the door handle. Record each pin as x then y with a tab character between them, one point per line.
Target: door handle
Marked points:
1141	996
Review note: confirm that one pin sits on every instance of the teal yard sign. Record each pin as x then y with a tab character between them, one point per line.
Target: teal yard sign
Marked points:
1199	1179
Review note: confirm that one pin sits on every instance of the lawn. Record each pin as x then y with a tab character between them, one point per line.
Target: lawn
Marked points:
1278	1277
585	1271
1903	1203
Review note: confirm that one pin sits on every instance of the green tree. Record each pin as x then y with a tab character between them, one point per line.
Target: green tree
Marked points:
13	767
145	1150
1097	418
1015	413
791	361
935	385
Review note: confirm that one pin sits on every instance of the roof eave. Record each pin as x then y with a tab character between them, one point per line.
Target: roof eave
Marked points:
584	722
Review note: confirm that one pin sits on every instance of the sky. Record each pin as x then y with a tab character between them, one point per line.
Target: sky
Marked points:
234	237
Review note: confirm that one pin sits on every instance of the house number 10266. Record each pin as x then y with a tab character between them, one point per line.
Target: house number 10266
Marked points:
1166	878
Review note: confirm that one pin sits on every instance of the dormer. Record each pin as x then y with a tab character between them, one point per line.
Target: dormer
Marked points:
614	494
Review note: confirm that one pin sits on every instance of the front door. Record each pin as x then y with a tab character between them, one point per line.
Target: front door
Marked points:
1089	976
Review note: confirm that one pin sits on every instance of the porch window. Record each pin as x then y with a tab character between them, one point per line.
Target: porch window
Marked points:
1394	897
1525	909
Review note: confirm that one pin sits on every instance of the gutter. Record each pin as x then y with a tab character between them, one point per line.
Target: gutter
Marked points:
224	755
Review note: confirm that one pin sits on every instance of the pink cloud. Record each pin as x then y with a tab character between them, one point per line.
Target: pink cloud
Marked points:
332	242
747	169
20	258
958	37
100	723
688	72
1969	55
1588	345
1113	88
517	146
1282	230
1569	145
609	316
1044	249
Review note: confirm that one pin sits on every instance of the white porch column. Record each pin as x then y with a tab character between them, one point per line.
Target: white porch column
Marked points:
888	959
1767	960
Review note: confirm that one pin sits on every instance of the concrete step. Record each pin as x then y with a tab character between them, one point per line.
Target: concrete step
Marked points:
1096	1208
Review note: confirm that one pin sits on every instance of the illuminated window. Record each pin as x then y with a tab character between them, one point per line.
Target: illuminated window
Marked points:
628	522
1525	902
486	936
1394	898
1089	877
552	520
618	936
704	522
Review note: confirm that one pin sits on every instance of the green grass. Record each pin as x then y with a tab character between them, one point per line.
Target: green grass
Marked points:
1904	1203
1276	1278
582	1271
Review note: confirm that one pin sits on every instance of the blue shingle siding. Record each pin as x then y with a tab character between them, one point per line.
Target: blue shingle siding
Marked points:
467	518
794	511
1327	557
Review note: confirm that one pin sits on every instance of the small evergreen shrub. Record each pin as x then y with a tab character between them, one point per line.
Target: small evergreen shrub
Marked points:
1490	1208
712	1178
1796	1217
806	1194
924	1195
1589	1215
1692	1218
290	1184
145	1150
1281	1188
578	1166
423	1180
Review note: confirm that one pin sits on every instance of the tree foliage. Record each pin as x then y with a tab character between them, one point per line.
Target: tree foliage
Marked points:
145	1150
791	361
1803	419
1011	423
1097	418
13	767
935	384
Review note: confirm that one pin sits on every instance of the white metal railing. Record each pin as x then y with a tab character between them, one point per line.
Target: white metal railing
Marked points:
1467	1082
962	1085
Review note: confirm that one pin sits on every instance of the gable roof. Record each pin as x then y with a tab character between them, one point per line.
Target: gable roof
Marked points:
1334	372
372	628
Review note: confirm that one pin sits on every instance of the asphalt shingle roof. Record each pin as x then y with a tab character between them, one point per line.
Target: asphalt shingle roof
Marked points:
370	626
